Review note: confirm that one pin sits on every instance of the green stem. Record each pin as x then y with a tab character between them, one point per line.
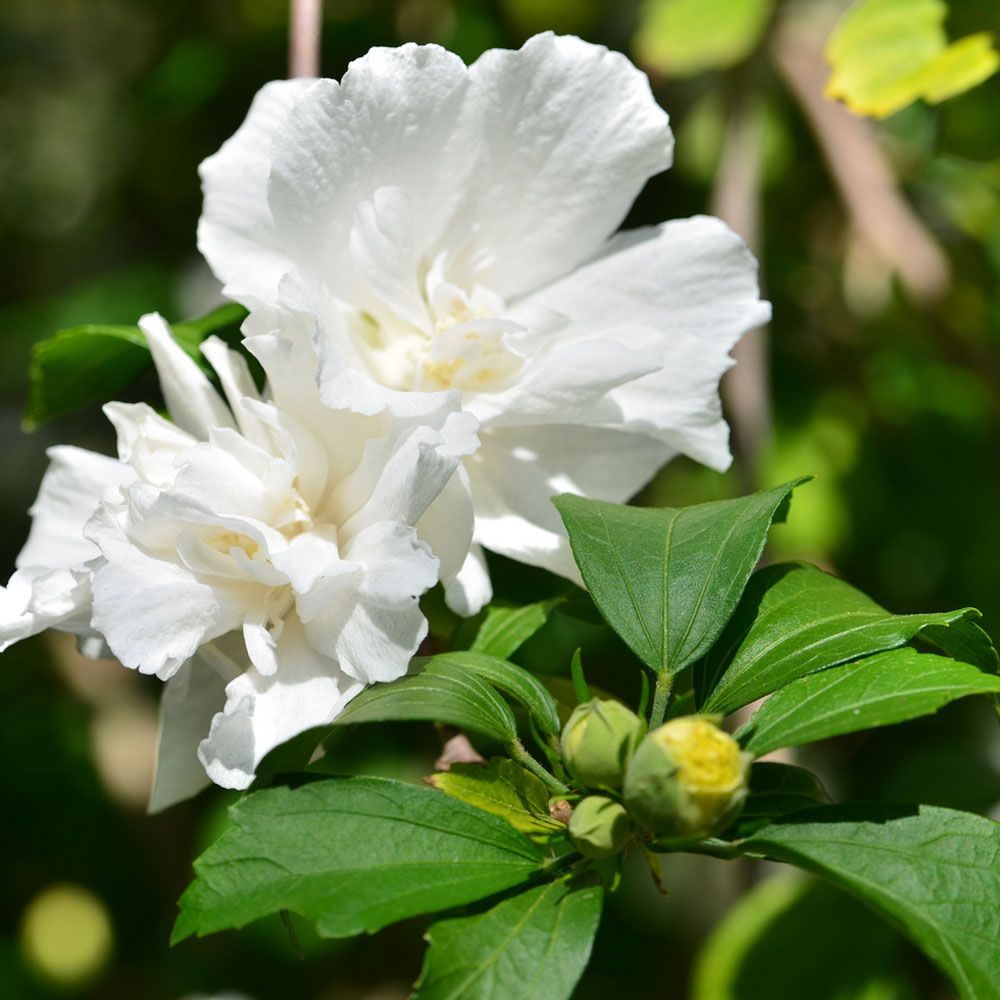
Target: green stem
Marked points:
517	751
661	698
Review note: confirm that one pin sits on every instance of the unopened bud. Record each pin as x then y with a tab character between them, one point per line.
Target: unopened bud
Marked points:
687	777
598	741
599	827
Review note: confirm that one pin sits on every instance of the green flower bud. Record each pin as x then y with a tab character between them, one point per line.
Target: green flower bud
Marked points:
598	741
687	777
599	827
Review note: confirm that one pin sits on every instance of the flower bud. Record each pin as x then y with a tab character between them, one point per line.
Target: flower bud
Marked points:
687	777
599	827
598	741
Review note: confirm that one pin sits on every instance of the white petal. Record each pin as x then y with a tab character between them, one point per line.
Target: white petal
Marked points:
470	591
517	472
373	630
262	712
235	232
570	132
147	442
238	385
155	613
446	526
570	384
687	288
395	121
381	243
72	488
193	404
402	472
189	702
36	599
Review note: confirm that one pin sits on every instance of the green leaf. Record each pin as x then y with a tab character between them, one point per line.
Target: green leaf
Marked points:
667	580
352	854
878	691
533	945
685	37
886	53
791	937
775	790
443	691
505	629
521	685
965	641
931	871
795	619
504	789
88	363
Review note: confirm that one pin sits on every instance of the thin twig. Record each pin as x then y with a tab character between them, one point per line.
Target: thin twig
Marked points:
858	167
736	199
305	25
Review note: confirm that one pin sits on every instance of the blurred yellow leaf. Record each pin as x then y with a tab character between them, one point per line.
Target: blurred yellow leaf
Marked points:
886	53
685	37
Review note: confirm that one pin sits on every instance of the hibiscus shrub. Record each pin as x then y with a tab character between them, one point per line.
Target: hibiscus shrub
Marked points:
444	348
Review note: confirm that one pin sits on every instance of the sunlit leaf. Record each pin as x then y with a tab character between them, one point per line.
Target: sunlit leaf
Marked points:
505	789
886	53
684	37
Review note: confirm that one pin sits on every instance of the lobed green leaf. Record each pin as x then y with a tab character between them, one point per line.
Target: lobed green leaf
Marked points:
532	946
352	854
504	630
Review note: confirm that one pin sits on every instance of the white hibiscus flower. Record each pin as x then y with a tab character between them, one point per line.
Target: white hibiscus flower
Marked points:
450	227
264	558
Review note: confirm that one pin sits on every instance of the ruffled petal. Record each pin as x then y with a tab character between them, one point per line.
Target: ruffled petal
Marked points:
570	133
155	613
396	120
374	636
193	404
260	713
687	289
73	486
36	599
236	233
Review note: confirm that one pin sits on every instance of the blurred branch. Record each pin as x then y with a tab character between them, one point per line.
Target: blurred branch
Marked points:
736	199
858	167
305	25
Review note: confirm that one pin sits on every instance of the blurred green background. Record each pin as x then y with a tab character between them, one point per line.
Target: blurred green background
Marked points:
882	367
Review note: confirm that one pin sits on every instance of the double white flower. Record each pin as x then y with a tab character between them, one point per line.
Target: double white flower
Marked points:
425	248
450	227
264	558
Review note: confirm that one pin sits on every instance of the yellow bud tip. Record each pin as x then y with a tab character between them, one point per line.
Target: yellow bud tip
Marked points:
708	759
